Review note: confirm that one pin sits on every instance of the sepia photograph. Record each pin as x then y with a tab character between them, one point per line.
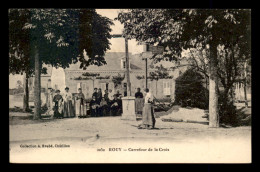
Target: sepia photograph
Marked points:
137	85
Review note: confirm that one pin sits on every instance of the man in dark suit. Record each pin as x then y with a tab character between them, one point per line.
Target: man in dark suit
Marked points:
99	95
95	93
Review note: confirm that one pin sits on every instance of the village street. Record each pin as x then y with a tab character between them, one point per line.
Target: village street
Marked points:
87	136
178	66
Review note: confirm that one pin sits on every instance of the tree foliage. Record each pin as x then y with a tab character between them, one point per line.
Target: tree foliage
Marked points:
60	35
178	29
229	31
181	29
160	73
117	80
190	90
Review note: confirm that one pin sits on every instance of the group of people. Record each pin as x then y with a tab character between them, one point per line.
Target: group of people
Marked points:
107	104
101	105
63	107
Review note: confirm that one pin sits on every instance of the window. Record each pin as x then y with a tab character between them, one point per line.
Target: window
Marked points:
87	91
123	64
166	88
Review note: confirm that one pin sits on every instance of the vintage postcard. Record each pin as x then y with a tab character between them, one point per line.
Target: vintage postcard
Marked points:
130	86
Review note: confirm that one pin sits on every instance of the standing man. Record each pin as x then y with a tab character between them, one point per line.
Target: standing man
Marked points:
80	106
99	95
139	94
93	106
106	96
95	93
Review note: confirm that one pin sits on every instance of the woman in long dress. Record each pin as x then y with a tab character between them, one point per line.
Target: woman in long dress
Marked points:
68	108
148	111
139	102
80	106
57	99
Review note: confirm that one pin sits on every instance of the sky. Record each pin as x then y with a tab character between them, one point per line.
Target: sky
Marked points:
117	44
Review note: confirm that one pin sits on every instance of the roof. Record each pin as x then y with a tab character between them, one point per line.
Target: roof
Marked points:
113	60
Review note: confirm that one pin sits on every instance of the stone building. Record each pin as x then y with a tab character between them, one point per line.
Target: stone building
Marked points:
116	67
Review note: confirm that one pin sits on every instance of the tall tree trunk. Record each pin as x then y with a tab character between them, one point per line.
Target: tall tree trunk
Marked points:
26	93
146	74
245	93
93	83
213	87
156	87
37	87
127	68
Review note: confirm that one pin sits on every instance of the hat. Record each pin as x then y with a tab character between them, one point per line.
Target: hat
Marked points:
57	91
67	88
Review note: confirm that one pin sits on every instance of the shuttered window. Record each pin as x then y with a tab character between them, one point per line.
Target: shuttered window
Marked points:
166	88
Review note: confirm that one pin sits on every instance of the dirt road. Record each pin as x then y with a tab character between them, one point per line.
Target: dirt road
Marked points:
82	140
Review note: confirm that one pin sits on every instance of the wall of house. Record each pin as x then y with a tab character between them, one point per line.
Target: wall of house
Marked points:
44	82
58	78
157	87
88	85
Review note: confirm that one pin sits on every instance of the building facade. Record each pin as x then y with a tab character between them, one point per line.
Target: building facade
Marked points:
115	68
